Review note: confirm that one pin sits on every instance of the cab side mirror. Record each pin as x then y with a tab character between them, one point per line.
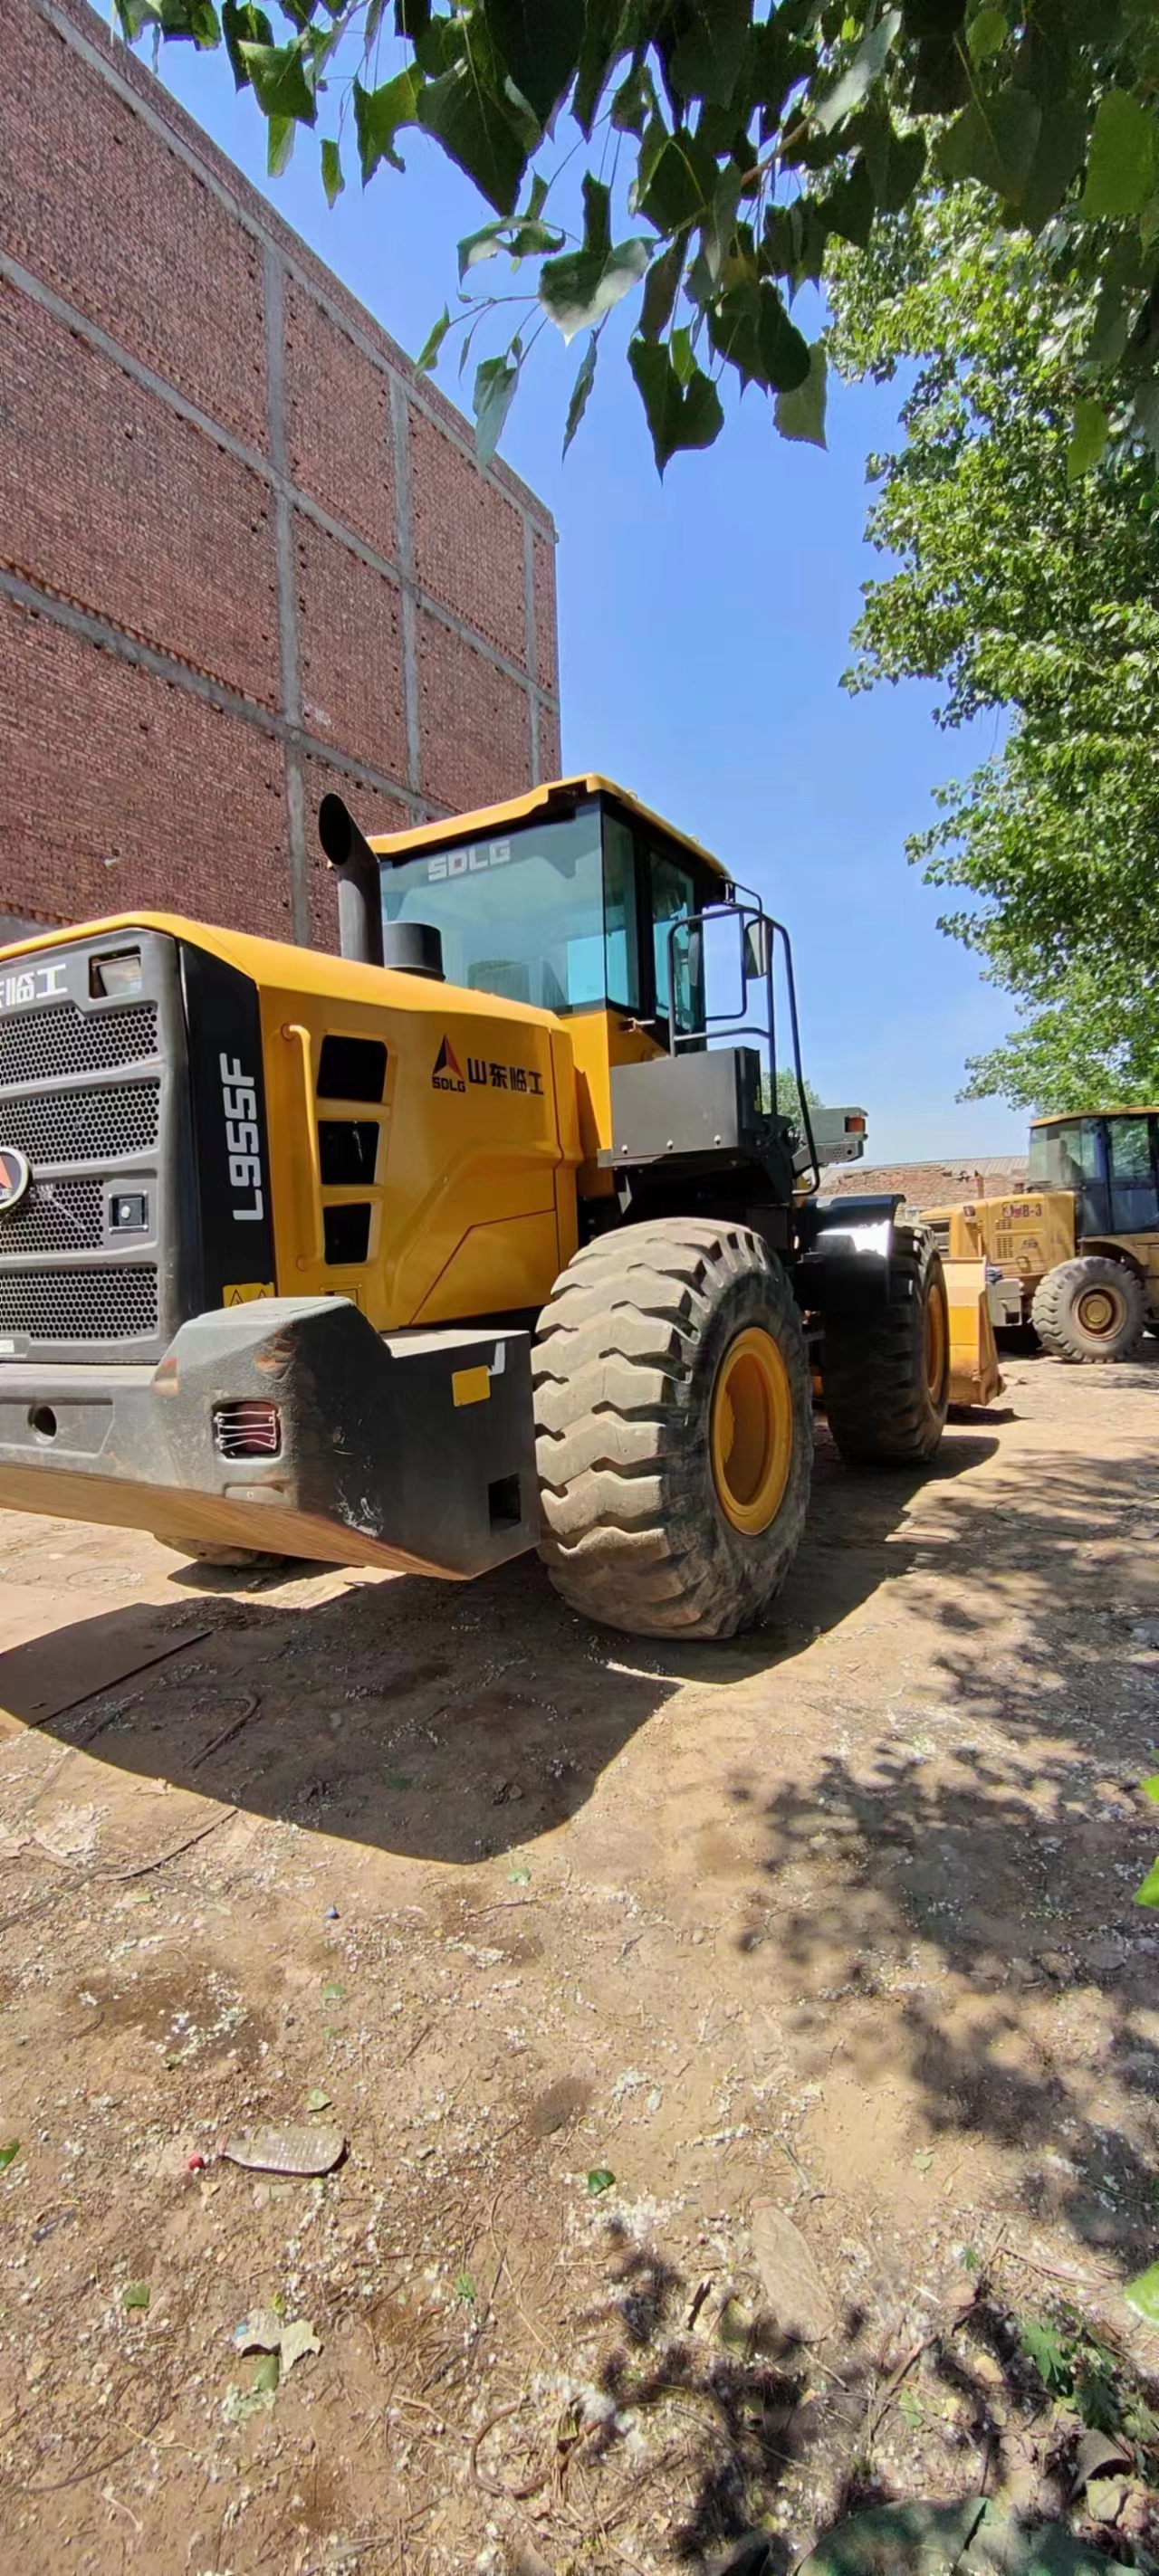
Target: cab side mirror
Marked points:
756	951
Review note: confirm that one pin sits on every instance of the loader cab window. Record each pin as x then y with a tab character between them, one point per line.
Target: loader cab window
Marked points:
1073	1156
546	914
674	896
1134	1198
521	915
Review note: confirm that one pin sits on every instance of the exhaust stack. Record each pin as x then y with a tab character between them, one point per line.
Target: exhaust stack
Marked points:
356	868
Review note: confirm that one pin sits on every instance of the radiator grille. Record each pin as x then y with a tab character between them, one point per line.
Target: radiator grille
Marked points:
58	1216
78	1305
83	1126
35	1045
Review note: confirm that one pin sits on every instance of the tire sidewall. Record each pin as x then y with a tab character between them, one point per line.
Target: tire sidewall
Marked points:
931	1282
758	1296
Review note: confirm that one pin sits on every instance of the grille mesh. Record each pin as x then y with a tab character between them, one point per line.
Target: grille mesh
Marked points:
78	1305
83	1126
62	1216
34	1045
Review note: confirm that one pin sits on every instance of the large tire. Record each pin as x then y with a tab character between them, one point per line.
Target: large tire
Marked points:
674	1429
885	1376
1090	1309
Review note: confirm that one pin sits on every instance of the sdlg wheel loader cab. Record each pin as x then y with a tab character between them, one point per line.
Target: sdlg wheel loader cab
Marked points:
284	1237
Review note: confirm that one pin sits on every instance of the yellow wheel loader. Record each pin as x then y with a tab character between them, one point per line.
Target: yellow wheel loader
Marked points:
473	1238
1077	1253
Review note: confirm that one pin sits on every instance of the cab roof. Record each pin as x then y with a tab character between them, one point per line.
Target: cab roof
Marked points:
520	809
1067	1117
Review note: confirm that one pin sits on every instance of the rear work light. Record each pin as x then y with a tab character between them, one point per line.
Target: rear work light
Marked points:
111	978
247	1430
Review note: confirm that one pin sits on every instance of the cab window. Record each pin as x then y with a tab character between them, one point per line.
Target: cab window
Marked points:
1134	1203
673	896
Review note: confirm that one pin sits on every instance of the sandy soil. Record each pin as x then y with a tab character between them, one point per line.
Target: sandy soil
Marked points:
840	1918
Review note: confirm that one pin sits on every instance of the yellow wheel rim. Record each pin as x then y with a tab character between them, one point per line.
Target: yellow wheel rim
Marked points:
936	1343
752	1431
1098	1311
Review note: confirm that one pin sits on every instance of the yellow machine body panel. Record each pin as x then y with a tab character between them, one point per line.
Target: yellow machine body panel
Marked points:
473	1194
974	1377
1022	1237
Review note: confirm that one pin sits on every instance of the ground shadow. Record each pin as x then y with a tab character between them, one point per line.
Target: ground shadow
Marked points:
739	2413
966	1884
413	1715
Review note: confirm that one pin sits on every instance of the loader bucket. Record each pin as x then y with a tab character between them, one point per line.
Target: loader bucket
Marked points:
974	1377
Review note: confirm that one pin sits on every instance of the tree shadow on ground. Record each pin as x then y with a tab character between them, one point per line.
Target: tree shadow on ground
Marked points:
966	1884
742	2417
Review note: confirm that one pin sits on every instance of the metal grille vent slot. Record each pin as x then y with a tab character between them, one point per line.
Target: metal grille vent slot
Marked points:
36	1045
58	1216
79	1305
83	1126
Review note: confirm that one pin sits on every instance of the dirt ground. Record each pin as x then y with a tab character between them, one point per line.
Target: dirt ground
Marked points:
594	1949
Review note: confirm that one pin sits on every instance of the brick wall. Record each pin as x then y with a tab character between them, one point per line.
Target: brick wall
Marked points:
245	552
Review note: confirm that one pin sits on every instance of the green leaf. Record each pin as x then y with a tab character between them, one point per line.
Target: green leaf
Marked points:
661	289
751	329
280	132
1058	154
580	288
708	59
1148	1893
634	102
540	42
1142	2294
136	2294
600	2180
317	2099
602	48
1088	439
332	179
464	2286
575	412
850	206
333	1993
681	182
8	2154
428	354
683	355
495	383
801	413
986	34
243	23
1123	161
267	2375
1048	2350
279	80
869	60
476	128
1150	1788
679	415
379	114
597	216
994	140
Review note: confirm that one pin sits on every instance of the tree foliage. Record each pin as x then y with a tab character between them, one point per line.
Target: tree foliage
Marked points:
1027	585
701	158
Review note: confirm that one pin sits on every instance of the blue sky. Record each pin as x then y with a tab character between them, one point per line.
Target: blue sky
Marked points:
704	625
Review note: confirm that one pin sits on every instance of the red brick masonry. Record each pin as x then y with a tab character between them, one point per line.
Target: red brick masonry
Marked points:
245	552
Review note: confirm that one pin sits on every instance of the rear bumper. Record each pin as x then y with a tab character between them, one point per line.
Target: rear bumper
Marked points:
412	1450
